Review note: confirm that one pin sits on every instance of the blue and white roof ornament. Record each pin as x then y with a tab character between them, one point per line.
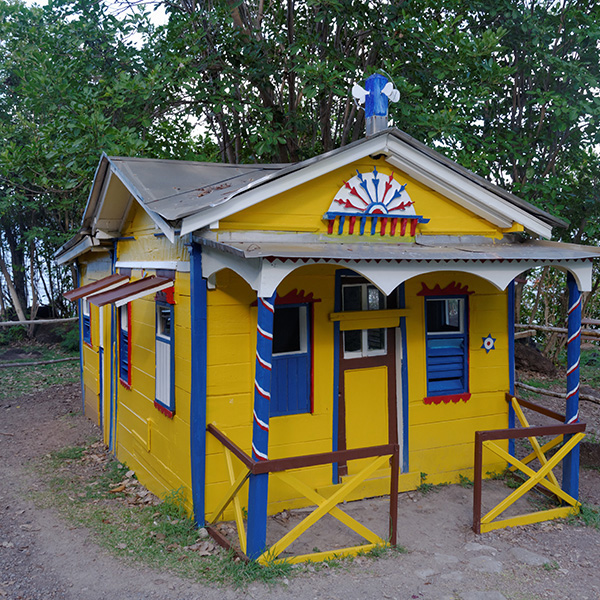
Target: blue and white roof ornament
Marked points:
376	96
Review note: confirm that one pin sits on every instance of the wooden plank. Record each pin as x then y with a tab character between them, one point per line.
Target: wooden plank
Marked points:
40	362
229	496
237	507
247	460
536	407
216	535
321	556
527	519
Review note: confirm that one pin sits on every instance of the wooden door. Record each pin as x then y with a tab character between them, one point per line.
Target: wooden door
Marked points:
367	393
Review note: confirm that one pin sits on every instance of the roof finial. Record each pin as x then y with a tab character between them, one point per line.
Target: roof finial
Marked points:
378	93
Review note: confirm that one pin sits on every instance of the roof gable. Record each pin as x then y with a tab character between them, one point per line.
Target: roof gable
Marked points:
424	165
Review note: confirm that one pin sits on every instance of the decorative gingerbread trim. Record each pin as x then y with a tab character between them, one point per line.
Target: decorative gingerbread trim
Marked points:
294	297
167	296
164	410
452	289
455	398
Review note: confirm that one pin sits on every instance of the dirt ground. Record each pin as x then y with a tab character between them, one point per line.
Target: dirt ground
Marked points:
43	557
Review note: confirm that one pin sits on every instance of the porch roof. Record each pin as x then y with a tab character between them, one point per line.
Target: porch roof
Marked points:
425	248
265	261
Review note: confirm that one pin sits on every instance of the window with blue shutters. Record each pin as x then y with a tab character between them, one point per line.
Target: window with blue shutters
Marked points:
291	385
447	345
86	321
125	344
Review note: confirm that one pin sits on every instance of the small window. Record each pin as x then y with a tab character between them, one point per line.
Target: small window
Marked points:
447	346
165	358
124	344
291	384
86	321
365	342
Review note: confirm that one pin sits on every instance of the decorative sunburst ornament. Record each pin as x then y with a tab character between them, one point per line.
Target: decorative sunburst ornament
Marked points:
373	194
489	343
377	197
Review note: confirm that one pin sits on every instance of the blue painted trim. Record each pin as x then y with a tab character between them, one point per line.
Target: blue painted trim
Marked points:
511	360
198	292
101	384
405	466
570	481
258	492
114	385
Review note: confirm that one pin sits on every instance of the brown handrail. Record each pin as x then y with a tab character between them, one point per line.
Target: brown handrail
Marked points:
536	408
323	458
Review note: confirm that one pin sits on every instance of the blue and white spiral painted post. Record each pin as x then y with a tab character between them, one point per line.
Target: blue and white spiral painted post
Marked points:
570	481
259	484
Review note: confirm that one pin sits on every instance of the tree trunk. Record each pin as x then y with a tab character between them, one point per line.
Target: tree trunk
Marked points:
12	291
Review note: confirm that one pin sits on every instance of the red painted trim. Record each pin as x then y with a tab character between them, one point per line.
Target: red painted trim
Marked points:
383	224
455	398
393	227
403	224
413	227
164	410
88	344
293	297
125	384
330	224
167	296
452	289
351	226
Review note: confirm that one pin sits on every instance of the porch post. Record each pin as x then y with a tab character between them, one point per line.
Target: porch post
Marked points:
570	481
259	484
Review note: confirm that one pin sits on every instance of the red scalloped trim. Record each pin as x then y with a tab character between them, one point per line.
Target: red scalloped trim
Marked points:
452	289
293	297
447	399
164	410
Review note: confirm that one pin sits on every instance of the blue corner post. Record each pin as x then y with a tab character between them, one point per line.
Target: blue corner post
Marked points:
570	481
198	383
258	491
376	104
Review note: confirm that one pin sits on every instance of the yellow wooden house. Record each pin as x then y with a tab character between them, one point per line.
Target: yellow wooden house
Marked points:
237	318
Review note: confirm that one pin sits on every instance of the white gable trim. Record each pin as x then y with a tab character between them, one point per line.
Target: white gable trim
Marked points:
461	190
425	169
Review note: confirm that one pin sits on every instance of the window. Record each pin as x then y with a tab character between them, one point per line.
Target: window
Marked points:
365	342
447	346
124	344
86	321
165	358
291	385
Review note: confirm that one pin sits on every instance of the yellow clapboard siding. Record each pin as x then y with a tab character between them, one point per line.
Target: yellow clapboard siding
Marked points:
230	319
293	429
233	379
440	434
232	410
143	359
231	349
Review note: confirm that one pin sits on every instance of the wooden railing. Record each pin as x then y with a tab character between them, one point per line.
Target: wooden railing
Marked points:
280	467
543	477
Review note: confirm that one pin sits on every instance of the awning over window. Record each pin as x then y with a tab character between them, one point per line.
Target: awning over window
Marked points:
102	285
132	291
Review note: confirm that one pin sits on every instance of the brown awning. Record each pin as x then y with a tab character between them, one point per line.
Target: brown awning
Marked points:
132	291
102	285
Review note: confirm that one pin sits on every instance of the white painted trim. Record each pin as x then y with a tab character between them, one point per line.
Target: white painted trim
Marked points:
264	276
80	248
167	265
462	190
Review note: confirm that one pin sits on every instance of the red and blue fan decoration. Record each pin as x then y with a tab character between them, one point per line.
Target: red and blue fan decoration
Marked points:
376	198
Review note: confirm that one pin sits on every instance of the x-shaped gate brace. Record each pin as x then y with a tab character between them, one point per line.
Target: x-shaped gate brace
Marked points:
279	468
543	477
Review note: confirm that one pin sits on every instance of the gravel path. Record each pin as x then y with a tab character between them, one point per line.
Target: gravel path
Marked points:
42	557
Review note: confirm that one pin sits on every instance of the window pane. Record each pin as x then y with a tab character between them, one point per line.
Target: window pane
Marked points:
164	321
376	339
375	299
352	297
352	341
123	316
444	315
286	330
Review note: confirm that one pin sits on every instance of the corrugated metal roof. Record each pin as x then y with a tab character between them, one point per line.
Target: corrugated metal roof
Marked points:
175	188
531	250
132	291
102	285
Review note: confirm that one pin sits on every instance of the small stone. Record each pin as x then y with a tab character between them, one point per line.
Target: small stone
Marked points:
202	533
453	576
528	557
425	573
485	564
445	559
475	547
